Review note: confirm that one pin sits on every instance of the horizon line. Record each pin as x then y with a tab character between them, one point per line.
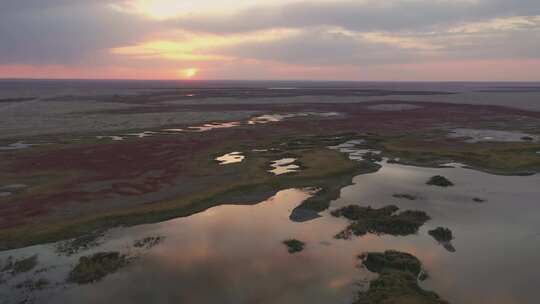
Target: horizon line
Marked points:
265	80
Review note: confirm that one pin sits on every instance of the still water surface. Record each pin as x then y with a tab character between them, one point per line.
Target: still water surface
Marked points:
234	254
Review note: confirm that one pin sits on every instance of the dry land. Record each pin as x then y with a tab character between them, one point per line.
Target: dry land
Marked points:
77	184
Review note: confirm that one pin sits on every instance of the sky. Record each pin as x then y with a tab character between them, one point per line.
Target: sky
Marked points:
393	40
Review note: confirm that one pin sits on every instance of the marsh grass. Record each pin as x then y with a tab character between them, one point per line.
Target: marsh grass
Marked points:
384	220
95	267
324	168
81	243
441	234
405	196
32	284
496	158
399	273
21	265
294	245
439	180
148	242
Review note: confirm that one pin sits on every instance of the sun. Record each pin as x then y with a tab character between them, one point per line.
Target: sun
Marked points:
189	73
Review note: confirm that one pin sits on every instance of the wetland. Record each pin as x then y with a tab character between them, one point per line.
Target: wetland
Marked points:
272	202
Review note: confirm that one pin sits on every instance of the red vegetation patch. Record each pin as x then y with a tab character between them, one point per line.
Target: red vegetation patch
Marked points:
140	166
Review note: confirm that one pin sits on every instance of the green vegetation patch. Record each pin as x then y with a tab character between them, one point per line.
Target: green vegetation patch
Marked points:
21	265
444	237
397	281
95	267
373	157
294	245
330	187
32	285
384	220
439	180
441	234
394	260
81	243
410	197
148	242
433	149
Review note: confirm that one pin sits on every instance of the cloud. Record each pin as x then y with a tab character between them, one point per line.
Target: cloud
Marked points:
319	46
189	46
326	46
368	15
498	24
252	38
65	32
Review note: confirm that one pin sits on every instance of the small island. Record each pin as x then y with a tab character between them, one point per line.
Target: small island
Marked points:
294	245
439	180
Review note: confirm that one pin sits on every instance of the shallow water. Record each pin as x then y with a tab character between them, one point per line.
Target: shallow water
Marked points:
230	158
16	146
284	166
268	118
394	107
111	137
263	119
496	241
8	190
234	254
480	135
212	126
142	134
61	106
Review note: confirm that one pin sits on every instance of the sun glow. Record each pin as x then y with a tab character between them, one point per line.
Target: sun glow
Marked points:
157	9
167	9
198	47
189	73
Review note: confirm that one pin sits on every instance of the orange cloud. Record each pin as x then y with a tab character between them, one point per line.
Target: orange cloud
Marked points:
197	46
